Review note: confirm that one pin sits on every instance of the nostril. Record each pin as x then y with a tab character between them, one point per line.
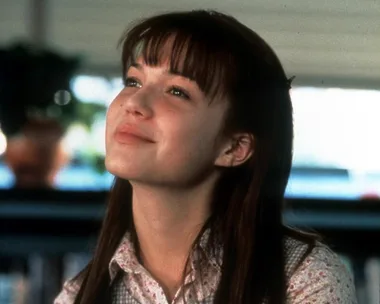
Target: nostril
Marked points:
134	112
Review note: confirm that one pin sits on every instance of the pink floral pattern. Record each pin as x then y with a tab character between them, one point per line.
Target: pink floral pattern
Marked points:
320	279
145	289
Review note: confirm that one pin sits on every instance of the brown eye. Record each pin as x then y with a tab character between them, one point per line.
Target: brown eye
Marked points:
178	92
132	82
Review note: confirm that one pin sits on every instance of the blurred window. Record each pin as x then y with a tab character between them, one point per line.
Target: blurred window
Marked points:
336	142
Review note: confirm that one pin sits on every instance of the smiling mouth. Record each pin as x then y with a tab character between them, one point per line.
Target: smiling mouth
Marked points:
129	138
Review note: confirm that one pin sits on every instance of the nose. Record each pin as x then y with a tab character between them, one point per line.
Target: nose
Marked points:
139	104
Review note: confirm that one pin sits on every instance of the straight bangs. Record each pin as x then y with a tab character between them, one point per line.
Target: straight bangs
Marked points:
196	51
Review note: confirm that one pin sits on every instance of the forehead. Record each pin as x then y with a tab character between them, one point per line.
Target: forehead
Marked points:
165	67
162	56
192	57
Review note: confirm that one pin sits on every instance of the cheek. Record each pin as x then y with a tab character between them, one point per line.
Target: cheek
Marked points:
111	118
189	139
113	109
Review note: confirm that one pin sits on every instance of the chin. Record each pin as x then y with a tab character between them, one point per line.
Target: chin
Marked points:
115	168
122	168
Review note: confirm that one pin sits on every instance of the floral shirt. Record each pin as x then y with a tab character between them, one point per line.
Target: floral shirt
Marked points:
320	277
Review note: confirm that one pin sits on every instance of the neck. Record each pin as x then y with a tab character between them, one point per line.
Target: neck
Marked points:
167	219
167	222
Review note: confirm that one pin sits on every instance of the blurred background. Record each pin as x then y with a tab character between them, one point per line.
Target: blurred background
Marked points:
59	70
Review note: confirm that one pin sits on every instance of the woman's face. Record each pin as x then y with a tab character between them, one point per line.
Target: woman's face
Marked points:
181	125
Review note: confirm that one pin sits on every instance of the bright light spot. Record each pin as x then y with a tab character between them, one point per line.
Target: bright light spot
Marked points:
62	97
337	128
116	87
91	89
3	143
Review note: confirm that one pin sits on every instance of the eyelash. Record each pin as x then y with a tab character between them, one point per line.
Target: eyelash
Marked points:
179	92
128	80
174	90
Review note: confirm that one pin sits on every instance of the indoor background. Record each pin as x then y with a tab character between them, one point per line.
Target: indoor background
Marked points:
60	68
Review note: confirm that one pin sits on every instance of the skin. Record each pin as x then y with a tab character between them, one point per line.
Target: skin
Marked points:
172	177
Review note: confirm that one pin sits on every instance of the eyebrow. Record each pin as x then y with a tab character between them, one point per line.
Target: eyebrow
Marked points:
172	72
136	65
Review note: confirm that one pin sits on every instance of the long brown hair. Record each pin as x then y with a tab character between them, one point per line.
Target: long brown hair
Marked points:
225	58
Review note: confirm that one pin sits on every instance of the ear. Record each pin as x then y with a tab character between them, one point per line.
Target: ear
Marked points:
236	151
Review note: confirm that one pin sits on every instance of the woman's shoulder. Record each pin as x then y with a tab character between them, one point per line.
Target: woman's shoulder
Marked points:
70	289
316	274
68	293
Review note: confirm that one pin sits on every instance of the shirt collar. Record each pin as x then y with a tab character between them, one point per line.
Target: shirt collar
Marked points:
125	256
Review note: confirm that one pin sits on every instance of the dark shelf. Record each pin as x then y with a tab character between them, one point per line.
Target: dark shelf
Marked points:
55	222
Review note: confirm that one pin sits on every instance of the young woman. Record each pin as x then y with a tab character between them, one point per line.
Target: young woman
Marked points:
200	142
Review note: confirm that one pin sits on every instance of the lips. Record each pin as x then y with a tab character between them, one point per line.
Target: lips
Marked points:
127	133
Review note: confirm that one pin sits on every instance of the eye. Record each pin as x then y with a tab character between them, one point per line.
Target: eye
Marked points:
179	92
132	82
